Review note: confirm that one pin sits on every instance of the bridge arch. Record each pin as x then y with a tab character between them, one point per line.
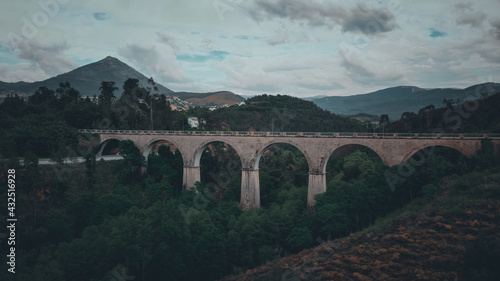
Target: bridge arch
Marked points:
278	154
146	150
348	148
218	170
428	149
424	151
106	143
201	148
303	150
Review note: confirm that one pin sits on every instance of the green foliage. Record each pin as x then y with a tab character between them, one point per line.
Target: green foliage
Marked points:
481	115
357	165
280	165
429	190
300	238
355	197
280	114
42	134
481	259
384	119
133	161
105	217
60	226
107	92
150	229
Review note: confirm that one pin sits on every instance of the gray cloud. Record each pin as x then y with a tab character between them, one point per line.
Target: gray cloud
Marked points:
161	64
368	21
359	19
462	7
168	39
355	68
466	15
472	19
278	39
495	31
366	71
49	57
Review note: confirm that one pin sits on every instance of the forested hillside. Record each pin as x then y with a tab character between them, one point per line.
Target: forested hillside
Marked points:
452	233
98	219
478	116
397	100
46	123
281	113
130	219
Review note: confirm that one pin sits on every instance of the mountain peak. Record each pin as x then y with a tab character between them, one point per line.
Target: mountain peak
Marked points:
87	78
110	59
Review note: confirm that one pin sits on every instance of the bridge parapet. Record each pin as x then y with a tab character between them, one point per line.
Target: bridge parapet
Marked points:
299	134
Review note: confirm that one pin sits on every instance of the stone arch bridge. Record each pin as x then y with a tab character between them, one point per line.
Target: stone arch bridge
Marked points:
393	149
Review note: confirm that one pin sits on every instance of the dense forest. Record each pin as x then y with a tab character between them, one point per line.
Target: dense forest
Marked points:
105	218
116	220
46	123
282	113
477	116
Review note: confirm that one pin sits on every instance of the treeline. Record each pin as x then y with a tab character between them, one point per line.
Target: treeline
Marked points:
477	116
282	114
102	219
45	124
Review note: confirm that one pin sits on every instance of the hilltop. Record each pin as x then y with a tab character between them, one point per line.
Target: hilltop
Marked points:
481	115
397	100
281	114
87	80
212	98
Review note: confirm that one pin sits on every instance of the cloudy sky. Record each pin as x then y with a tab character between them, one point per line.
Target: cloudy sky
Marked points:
294	47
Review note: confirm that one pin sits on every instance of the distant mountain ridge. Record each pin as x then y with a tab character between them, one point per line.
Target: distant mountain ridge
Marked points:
87	80
392	101
397	100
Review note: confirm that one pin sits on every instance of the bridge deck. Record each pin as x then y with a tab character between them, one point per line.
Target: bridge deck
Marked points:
299	134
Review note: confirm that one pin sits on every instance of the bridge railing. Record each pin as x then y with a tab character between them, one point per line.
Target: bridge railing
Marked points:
296	134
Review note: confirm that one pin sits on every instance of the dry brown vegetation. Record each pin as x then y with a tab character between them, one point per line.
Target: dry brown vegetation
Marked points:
428	242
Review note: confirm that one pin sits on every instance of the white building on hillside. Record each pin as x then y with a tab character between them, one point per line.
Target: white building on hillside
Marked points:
193	122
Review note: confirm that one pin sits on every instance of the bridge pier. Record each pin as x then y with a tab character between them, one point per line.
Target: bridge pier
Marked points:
250	189
317	185
190	176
